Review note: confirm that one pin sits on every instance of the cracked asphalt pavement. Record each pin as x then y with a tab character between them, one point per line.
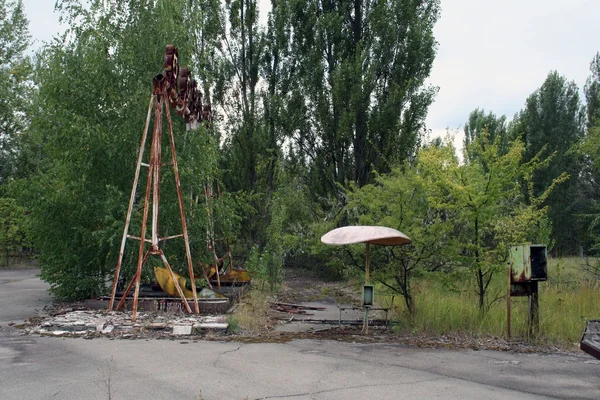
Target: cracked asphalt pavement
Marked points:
62	368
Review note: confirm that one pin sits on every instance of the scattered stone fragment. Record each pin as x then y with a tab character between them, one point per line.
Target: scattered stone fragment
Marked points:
182	329
108	329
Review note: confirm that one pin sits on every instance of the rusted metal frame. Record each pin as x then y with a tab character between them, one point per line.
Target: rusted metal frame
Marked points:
126	292
130	207
156	167
141	258
176	282
170	237
181	211
138	238
160	239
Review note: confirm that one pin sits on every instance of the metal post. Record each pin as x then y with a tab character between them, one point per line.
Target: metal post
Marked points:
152	166
367	272
182	212
130	207
508	304
156	168
533	318
367	265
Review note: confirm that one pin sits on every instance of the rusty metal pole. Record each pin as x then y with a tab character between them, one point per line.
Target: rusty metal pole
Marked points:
130	207
126	292
157	165
182	212
151	173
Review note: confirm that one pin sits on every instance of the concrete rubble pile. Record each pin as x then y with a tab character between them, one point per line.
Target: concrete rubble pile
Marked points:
94	323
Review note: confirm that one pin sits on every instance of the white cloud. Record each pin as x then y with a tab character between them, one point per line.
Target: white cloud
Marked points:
493	54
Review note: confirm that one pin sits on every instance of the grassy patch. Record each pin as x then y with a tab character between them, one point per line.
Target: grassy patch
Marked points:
567	300
252	316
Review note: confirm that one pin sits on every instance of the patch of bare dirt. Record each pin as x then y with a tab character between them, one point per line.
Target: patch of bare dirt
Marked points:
301	286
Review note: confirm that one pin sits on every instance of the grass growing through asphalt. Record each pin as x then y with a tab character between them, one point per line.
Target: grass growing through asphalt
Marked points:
251	316
569	298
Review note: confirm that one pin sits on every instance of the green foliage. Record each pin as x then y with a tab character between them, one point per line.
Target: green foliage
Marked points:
15	87
95	84
461	217
553	122
591	176
233	324
402	200
592	92
361	86
494	126
264	267
12	233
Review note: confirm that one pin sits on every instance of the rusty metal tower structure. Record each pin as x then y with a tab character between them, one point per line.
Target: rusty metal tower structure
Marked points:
174	88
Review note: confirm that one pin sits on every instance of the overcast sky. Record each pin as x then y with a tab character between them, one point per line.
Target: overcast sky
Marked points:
492	53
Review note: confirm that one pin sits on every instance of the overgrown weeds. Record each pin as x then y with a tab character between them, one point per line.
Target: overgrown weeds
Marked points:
569	298
252	315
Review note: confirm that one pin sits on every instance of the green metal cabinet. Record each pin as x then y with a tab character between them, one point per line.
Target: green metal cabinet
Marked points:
528	263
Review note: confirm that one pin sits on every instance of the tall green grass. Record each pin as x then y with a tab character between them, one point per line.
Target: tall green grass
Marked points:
567	300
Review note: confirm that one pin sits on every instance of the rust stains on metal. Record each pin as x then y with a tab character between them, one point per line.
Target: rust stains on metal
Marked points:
179	90
232	277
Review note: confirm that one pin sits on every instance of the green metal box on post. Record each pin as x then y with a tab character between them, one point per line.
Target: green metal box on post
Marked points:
368	296
528	265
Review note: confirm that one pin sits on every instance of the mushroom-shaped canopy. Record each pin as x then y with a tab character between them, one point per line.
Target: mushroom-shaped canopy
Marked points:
379	235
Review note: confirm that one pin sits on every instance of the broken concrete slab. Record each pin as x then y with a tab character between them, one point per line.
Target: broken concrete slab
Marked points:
212	325
93	323
182	329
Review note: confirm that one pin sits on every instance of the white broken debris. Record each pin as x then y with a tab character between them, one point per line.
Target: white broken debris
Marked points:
182	329
112	323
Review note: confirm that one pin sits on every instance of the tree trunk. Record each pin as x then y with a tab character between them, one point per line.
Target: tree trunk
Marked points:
480	283
360	124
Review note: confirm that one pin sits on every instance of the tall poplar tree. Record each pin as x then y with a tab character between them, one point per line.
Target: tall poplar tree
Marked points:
362	68
15	93
592	92
553	122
